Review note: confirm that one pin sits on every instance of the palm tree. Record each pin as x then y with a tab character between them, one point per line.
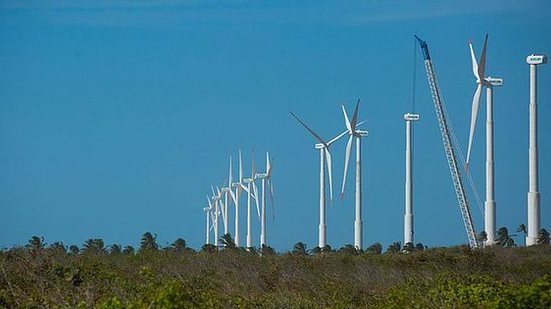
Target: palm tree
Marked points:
408	247
522	229
129	250
94	246
326	249
299	249
74	250
115	249
482	237
503	238
149	242
227	241
543	237
267	250
36	243
349	249
179	245
394	247
375	248
58	247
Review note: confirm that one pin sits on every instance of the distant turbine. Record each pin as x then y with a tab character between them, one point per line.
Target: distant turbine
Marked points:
266	179
353	132
325	155
408	214
533	193
216	203
238	185
250	188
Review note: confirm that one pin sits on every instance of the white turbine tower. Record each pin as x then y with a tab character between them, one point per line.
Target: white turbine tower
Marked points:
353	132
325	157
489	83
216	203
266	179
226	191
208	213
408	214
238	185
250	188
533	193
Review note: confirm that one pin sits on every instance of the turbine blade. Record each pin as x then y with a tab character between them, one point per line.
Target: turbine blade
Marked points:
240	168
336	138
316	136
252	167
255	190
268	164
346	121
482	62
230	174
270	184
243	187
329	172
474	63
234	199
346	159
355	116
474	114
210	203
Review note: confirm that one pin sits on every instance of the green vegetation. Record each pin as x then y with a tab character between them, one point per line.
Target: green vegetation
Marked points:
42	275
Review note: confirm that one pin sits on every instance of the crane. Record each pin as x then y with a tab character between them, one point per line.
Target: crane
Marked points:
449	148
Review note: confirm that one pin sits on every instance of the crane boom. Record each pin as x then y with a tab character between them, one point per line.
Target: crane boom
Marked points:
448	146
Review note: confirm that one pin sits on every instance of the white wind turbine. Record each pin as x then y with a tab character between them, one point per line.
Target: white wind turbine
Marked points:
266	179
358	134
238	185
215	200
251	186
325	158
208	213
489	83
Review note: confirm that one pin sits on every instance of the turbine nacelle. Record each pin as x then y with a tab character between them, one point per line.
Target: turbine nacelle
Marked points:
361	133
247	180
411	117
536	59
319	146
494	81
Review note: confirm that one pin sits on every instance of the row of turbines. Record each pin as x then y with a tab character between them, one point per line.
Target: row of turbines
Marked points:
219	203
233	190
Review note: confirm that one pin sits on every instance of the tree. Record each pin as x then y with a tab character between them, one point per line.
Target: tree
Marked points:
543	237
74	250
227	241
315	250
179	245
349	249
94	246
209	248
58	248
408	247
419	247
149	242
394	247
522	229
36	243
326	249
482	237
267	250
115	249
503	238
299	249
129	250
375	248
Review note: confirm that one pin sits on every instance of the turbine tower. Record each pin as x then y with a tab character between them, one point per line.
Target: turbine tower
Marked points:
238	185
216	203
266	179
408	215
325	157
489	83
250	188
533	193
353	132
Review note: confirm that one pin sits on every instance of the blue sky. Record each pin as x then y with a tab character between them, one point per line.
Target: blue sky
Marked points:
115	118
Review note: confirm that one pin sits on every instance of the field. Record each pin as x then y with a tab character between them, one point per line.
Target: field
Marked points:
175	277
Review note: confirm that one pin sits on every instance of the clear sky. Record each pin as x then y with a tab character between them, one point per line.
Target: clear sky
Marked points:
117	117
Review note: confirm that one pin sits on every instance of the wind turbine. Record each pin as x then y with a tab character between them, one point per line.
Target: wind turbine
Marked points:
215	198
208	213
325	157
489	83
533	193
358	134
408	214
238	185
251	186
266	179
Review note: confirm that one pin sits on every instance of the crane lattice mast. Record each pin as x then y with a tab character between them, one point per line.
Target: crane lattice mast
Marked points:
448	146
